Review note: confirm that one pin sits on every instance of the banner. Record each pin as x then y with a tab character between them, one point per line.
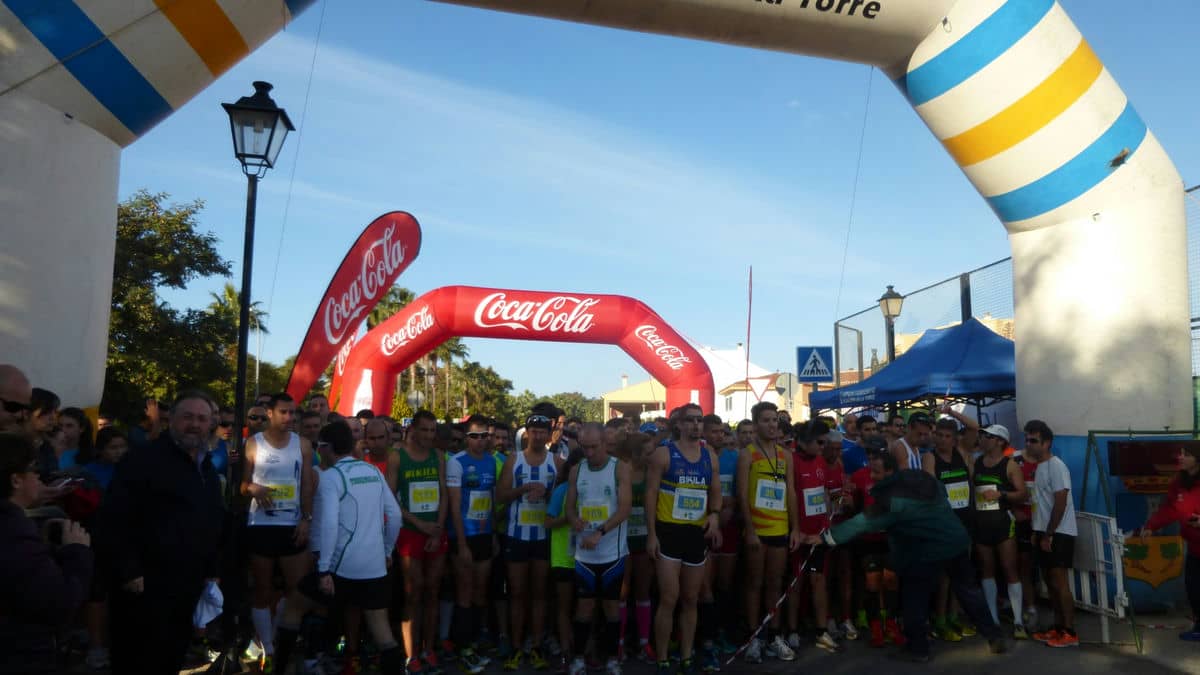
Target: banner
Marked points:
384	249
466	311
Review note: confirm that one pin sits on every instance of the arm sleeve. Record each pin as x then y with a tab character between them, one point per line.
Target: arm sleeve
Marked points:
857	526
453	473
326	507
1166	513
393	520
120	519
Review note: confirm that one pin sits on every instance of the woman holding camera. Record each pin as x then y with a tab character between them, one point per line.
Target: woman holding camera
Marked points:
43	585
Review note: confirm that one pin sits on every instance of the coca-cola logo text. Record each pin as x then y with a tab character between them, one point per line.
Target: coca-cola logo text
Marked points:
417	323
556	314
379	264
670	354
344	354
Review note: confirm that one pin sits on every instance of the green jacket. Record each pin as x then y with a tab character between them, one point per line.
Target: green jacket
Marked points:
911	506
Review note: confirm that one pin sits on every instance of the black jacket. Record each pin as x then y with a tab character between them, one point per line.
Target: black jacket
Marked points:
40	591
162	520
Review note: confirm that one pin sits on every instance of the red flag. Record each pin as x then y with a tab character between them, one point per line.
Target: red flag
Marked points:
384	249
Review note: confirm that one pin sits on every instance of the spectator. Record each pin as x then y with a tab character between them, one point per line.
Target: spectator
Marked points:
1182	506
77	437
42	420
111	445
161	525
43	585
15	397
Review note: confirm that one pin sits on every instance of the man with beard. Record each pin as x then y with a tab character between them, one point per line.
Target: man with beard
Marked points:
162	523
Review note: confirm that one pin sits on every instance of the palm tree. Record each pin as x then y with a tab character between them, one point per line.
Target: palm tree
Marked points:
448	351
227	304
396	299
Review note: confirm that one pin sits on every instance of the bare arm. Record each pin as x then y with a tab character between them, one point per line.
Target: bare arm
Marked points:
928	464
505	492
743	488
1018	480
654	471
624	496
570	508
789	480
308	479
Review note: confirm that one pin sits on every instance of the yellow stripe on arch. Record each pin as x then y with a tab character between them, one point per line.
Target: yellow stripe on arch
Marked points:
1031	112
204	25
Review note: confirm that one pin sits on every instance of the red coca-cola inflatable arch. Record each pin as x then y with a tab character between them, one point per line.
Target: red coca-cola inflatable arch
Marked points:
465	311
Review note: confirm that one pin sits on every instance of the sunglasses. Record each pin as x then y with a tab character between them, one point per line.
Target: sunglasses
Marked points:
694	419
224	424
14	407
256	418
478	434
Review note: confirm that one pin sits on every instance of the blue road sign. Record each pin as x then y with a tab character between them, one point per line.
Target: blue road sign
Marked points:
814	364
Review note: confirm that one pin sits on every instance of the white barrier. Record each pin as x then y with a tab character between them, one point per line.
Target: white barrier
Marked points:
1098	579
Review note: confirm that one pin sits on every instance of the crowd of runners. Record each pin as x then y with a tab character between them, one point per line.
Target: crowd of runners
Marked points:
687	543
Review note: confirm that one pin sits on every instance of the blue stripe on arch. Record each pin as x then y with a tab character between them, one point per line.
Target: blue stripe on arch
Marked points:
1084	172
975	50
96	63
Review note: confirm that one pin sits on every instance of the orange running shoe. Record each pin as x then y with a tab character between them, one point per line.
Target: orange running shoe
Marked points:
1046	635
1064	639
892	627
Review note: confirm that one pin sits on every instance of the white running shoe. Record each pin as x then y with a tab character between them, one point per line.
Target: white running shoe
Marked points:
782	651
831	627
613	667
577	667
793	641
754	651
848	630
828	643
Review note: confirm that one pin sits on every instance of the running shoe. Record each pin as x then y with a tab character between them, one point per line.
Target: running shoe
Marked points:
513	662
861	622
646	654
664	668
470	663
965	628
947	634
413	667
97	658
266	665
779	649
484	643
849	630
612	667
504	648
432	665
448	653
1064	639
894	635
754	652
793	641
828	643
577	667
689	667
254	651
1045	635
551	646
709	661
833	629
537	660
1019	632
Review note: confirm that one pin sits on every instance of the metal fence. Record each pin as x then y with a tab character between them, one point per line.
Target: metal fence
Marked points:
861	339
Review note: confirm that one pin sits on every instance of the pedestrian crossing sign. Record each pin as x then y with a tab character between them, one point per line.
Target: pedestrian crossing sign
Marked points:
814	364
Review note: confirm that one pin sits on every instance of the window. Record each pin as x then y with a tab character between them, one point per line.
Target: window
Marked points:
728	403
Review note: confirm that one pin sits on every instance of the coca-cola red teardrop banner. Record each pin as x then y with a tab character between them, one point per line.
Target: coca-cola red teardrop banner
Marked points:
467	311
384	249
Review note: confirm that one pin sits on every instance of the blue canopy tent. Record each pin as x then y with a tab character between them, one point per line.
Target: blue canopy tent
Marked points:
968	362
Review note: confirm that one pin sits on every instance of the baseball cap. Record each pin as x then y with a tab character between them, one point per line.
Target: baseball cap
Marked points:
648	428
537	421
919	418
998	430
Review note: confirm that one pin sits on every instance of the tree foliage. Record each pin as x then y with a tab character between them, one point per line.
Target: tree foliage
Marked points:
155	349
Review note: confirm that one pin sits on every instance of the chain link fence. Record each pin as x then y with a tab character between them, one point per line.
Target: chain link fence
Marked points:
860	340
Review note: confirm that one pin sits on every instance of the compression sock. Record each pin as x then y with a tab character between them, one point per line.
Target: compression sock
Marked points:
1014	599
989	594
609	636
261	616
448	610
460	628
707	624
582	630
622	615
642	614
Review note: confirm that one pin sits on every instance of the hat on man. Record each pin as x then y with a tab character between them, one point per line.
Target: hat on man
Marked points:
998	430
648	428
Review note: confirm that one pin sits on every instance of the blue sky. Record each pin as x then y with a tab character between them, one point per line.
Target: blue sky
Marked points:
554	156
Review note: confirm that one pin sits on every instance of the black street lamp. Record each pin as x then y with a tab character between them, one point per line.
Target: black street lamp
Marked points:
890	303
259	128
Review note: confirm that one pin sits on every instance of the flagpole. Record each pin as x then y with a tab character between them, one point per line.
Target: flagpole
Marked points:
749	315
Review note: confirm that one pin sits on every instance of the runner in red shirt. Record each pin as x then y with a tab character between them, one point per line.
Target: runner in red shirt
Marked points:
841	507
813	504
1023	514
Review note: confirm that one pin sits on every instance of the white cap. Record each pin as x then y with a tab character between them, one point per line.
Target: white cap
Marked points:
998	430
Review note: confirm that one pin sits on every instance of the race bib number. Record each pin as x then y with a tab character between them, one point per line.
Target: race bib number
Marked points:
532	514
637	522
479	505
769	495
980	498
1029	484
595	514
282	493
690	504
726	485
959	495
814	501
423	496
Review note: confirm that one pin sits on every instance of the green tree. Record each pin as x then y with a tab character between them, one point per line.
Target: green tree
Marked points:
484	391
575	404
154	350
396	299
228	305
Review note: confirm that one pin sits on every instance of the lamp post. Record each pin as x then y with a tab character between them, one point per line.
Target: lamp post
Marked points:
259	128
890	303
